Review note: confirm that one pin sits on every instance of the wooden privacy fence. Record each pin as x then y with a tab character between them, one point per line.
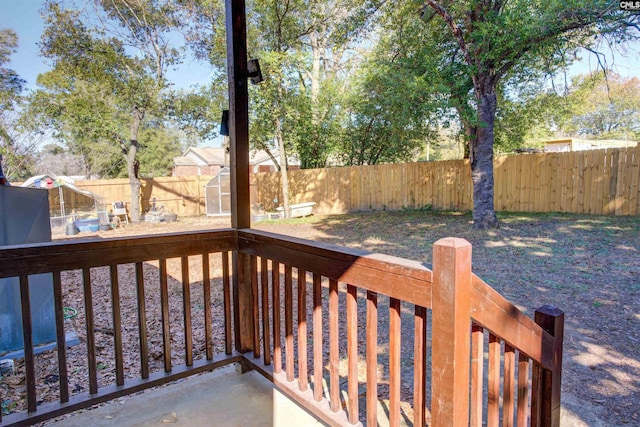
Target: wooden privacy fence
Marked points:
587	182
183	195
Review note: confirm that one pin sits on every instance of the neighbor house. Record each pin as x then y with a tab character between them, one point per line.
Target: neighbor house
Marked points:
210	160
576	144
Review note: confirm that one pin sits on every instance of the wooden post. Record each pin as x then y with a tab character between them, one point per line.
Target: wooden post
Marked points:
451	332
238	112
236	25
551	319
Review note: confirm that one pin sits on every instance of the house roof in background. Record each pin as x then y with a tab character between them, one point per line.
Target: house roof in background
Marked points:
209	155
184	161
195	156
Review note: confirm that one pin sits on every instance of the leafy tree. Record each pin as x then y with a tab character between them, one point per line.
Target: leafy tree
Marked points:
196	112
392	110
11	85
15	150
106	72
489	40
302	46
602	106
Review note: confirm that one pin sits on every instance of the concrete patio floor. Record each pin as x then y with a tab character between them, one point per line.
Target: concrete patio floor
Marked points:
221	398
224	398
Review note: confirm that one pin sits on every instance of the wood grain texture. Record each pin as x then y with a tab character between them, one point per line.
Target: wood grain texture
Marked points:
186	311
317	338
419	366
451	332
334	347
288	322
164	306
277	341
60	337
477	375
27	337
395	373
116	317
266	324
352	354
303	374
386	275
493	404
90	328
206	291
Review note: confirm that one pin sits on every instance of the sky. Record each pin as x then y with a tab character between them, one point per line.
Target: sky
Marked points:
24	18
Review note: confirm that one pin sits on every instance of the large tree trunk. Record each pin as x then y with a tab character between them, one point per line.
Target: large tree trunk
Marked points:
132	166
484	215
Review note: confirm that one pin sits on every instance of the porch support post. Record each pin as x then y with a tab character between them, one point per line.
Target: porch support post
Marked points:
451	332
236	26
238	112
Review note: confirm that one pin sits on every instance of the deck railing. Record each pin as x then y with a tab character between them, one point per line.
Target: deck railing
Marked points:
403	342
158	329
353	337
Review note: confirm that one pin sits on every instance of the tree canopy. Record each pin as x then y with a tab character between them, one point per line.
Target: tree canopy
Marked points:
481	43
346	81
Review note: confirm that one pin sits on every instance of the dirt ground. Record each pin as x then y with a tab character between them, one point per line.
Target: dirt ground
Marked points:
589	266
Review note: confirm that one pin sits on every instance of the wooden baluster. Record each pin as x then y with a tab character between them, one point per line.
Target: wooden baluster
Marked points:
352	353
419	366
303	375
551	319
493	407
372	358
536	394
206	291
288	322
142	322
523	389
395	373
334	349
117	324
186	310
243	302
27	337
164	303
451	332
264	283
317	337
60	338
508	388
275	296
91	341
477	374
255	311
226	289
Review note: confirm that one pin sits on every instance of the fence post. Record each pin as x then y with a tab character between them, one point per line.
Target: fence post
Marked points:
545	409
451	332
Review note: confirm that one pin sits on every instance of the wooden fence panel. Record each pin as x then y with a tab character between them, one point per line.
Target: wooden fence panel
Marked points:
182	195
593	182
634	171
